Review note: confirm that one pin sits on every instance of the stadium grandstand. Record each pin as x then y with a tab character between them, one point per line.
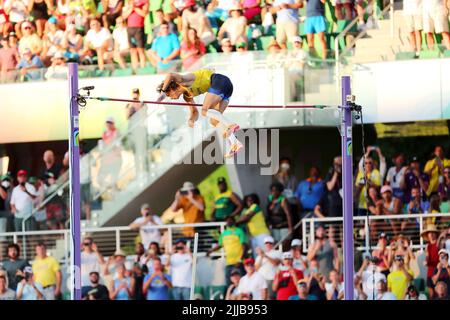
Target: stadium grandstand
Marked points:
164	214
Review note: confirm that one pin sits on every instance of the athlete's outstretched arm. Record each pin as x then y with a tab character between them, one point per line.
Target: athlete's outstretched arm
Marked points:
182	79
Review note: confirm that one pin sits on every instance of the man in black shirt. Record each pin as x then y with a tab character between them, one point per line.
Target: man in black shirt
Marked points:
5	196
50	165
95	291
14	265
333	201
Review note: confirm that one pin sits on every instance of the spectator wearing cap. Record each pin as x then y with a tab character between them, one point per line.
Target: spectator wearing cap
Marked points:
110	267
91	260
252	283
232	290
234	243
28	65
192	204
194	17
165	48
432	258
324	250
370	274
180	267
441	291
310	191
286	279
72	43
414	178
434	168
381	254
39	12
14	265
28	288
6	217
234	27
52	41
145	224
399	278
5	292
157	283
22	202
121	43
302	291
241	45
9	57
384	293
226	203
47	272
267	262
395	177
442	270
58	70
278	211
135	12
287	19
98	42
29	40
253	218
111	155
300	261
122	285
192	49
226	45
94	290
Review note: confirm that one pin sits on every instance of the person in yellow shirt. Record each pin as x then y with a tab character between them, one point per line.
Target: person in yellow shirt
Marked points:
253	217
218	89
373	179
434	168
47	273
399	279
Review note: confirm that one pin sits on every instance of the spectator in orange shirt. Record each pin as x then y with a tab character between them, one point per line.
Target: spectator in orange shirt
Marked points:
189	199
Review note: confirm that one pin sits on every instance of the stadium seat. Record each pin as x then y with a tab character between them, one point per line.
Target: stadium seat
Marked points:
146	70
84	73
429	54
446	54
263	42
405	55
122	72
101	73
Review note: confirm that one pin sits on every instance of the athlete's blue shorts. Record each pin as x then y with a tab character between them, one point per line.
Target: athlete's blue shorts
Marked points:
315	24
221	85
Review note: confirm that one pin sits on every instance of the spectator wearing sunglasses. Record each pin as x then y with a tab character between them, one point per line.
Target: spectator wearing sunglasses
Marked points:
372	178
30	40
91	260
310	191
303	291
398	280
444	187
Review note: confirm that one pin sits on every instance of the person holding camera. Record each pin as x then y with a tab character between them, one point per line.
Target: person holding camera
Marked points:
180	268
398	280
333	181
192	203
370	275
442	271
382	254
434	168
91	260
286	279
316	281
22	202
324	250
47	272
414	178
145	224
28	289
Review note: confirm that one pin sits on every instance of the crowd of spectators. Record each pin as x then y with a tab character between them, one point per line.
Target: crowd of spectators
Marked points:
48	33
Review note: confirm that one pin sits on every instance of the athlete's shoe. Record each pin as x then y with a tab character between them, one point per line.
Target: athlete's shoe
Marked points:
231	129
235	147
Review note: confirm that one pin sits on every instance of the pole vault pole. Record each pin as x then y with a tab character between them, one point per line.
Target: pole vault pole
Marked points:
74	192
347	183
194	267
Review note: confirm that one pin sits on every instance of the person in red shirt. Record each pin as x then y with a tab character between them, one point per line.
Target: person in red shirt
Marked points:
286	279
9	57
111	155
192	49
430	235
135	13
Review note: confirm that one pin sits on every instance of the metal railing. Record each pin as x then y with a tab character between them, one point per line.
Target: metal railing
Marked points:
337	54
109	239
368	230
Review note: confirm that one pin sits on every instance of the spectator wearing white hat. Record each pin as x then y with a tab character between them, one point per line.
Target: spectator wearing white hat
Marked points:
442	271
286	279
234	27
58	69
146	226
114	261
383	291
28	289
300	261
267	262
111	155
252	283
22	202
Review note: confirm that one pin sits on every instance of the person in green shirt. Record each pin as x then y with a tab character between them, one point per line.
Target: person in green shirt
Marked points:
227	203
234	243
253	217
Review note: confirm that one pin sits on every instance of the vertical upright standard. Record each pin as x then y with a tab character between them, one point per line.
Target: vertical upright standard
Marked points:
74	192
347	183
